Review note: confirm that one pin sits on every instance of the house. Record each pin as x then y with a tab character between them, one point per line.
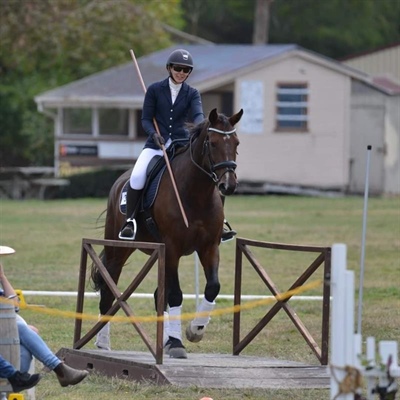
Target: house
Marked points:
298	129
376	117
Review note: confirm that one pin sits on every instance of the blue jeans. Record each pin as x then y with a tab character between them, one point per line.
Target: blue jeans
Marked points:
32	345
6	369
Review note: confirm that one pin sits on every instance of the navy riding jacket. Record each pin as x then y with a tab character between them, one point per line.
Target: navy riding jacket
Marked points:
171	118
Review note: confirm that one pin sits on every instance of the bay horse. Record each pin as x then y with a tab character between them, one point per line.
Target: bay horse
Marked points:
204	170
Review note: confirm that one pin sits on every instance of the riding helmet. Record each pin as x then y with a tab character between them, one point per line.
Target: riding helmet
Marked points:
180	57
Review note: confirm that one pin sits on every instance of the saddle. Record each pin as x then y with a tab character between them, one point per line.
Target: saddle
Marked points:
154	173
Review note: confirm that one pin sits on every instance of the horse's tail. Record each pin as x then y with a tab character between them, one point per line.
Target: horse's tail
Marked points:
97	281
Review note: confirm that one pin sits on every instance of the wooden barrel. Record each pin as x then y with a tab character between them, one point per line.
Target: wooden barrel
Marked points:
9	339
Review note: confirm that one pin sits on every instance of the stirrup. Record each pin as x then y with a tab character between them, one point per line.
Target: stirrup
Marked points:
228	233
133	235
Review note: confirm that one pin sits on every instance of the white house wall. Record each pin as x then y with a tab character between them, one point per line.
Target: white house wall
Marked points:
318	158
367	129
392	145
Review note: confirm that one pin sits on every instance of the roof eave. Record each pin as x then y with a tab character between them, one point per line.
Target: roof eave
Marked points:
89	101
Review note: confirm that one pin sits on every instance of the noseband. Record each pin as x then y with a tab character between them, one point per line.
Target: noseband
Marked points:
230	166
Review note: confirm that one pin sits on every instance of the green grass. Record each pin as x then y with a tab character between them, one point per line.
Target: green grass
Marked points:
48	235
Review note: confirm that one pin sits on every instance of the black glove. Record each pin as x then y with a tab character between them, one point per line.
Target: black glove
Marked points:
158	140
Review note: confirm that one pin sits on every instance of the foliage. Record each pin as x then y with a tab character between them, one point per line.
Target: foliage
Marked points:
48	43
335	28
45	44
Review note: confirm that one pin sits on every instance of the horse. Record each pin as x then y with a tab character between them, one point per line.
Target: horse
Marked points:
204	171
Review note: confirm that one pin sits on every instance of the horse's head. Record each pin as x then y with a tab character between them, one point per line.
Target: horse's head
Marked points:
220	147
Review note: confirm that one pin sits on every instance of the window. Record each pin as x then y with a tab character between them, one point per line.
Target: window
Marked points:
77	121
113	121
292	107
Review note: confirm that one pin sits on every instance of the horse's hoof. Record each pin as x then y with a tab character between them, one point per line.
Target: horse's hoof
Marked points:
194	333
102	345
174	348
103	342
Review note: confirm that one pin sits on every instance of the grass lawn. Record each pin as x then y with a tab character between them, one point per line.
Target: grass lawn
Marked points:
47	236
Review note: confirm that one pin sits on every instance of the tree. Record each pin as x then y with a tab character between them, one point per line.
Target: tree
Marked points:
47	43
261	21
335	28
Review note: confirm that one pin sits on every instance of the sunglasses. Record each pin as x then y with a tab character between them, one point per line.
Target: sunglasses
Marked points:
186	70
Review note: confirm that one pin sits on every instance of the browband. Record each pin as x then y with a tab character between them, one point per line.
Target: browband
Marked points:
222	132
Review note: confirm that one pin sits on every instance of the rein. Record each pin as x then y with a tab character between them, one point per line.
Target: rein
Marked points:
230	166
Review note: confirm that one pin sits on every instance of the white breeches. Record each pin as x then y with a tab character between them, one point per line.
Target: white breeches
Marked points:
138	175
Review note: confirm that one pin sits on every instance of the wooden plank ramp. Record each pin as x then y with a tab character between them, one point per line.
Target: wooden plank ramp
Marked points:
202	370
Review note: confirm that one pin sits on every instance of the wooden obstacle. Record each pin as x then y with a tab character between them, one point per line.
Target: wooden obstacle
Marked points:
121	298
202	370
323	258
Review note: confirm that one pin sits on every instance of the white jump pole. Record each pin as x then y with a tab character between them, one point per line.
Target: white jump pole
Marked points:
342	329
364	228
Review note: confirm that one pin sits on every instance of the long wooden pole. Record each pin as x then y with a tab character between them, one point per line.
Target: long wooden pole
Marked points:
162	146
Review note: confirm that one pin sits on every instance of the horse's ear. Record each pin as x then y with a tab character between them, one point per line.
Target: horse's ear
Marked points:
213	116
236	117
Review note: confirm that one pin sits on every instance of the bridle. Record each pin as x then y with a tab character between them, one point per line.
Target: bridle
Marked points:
230	166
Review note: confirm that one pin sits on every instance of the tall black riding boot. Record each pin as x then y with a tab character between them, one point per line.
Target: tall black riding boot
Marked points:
128	231
228	233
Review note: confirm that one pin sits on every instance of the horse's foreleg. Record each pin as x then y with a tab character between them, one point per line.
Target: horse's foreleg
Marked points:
172	319
197	327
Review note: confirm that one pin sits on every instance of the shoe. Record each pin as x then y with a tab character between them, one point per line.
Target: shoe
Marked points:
128	232
228	233
23	381
69	376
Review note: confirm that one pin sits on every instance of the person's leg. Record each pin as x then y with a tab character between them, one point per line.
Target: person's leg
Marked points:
17	380
33	344
6	369
134	193
25	358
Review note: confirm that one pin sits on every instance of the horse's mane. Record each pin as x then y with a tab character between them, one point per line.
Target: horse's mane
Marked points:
196	129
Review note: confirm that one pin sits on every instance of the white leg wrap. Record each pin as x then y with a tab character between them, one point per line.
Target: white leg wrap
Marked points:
103	337
166	328
205	308
175	323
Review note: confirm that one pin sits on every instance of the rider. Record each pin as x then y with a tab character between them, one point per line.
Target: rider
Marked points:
172	103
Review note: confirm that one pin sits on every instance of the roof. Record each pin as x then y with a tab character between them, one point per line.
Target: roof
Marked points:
368	52
215	65
387	84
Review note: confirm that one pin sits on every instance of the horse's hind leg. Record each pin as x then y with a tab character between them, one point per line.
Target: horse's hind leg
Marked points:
195	330
106	301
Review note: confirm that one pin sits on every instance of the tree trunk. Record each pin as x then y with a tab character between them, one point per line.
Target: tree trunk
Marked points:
261	21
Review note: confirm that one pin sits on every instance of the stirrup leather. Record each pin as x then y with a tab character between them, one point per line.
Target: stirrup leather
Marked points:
134	230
